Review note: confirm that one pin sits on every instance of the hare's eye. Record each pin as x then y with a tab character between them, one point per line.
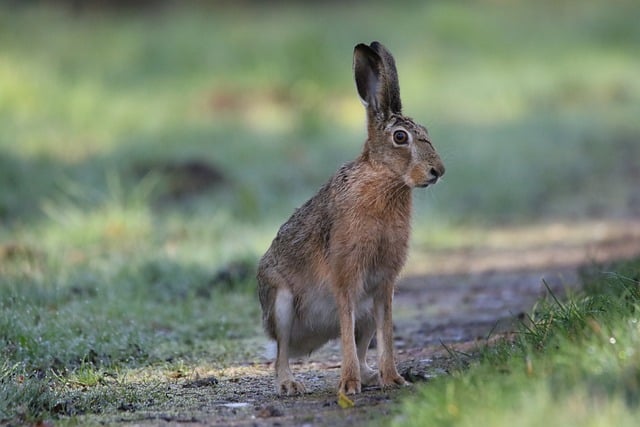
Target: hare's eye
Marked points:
400	137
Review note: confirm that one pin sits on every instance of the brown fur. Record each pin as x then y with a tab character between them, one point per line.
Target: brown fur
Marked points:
331	269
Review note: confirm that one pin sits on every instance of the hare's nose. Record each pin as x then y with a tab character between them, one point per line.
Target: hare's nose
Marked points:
435	173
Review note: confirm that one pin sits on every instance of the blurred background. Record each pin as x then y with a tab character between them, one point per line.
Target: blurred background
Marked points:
201	125
149	151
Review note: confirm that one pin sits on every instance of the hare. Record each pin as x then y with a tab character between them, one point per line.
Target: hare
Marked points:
330	272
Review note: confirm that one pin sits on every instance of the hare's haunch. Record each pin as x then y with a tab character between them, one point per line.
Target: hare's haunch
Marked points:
331	270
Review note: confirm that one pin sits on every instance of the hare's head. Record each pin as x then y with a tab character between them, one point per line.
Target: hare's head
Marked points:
394	141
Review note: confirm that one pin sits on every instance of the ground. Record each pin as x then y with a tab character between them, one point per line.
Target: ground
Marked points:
466	300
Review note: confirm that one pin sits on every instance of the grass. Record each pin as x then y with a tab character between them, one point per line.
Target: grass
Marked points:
184	84
78	329
574	362
147	158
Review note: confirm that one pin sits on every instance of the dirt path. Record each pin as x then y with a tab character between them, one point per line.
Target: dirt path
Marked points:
461	299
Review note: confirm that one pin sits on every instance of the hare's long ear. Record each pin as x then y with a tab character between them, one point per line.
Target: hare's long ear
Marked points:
368	69
376	79
391	74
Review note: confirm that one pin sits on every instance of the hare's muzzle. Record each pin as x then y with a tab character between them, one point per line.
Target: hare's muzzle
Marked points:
434	175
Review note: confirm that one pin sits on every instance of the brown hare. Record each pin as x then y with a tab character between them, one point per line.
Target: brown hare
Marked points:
331	270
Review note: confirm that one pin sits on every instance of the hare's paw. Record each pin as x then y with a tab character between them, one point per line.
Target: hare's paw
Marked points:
393	380
289	387
369	377
350	386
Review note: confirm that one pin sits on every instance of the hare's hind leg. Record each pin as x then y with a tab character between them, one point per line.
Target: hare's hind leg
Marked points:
285	383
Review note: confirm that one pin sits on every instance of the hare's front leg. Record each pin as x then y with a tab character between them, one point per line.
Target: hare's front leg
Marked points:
285	383
365	329
350	374
382	303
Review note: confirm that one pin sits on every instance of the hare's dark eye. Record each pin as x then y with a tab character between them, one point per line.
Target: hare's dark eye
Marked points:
400	137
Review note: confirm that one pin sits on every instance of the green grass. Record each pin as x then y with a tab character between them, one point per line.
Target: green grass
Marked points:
109	258
575	362
103	93
81	325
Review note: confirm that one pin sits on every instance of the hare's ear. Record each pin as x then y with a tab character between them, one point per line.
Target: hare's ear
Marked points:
368	69
391	74
376	79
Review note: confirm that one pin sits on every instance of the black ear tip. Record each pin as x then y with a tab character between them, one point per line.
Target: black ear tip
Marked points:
380	49
362	47
366	53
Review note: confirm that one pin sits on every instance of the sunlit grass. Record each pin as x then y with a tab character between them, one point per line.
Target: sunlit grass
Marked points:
493	85
574	361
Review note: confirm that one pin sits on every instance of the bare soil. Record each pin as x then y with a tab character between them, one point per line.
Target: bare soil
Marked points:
447	303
